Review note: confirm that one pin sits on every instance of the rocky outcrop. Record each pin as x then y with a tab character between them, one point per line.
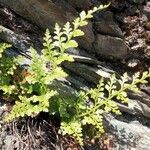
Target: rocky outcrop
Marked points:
110	47
78	4
128	135
46	13
147	10
106	25
116	34
18	41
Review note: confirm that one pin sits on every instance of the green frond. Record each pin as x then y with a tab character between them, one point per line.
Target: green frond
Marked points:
7	68
3	47
74	129
30	106
96	120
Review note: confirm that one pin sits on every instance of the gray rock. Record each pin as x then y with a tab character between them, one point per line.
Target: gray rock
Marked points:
108	28
17	40
108	47
90	74
147	25
80	4
130	136
46	13
137	1
147	10
106	25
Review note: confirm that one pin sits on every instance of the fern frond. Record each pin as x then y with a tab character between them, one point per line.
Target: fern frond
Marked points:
72	128
48	43
7	67
30	106
3	47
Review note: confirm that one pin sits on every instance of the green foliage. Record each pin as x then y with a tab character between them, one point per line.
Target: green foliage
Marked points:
32	91
92	104
7	67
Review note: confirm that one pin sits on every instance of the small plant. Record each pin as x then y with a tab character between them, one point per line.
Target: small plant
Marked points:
92	104
32	91
7	67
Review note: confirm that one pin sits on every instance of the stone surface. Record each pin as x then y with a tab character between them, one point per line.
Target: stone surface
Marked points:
45	14
130	135
94	73
17	40
147	10
137	1
80	4
106	25
108	46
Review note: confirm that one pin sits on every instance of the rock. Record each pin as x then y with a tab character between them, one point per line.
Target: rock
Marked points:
106	25
65	5
139	108
108	47
45	14
147	10
145	89
80	4
132	63
138	1
79	52
147	25
87	40
18	41
132	10
141	97
87	60
119	5
129	135
89	73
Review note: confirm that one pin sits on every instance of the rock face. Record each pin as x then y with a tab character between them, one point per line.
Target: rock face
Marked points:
110	46
18	41
110	23
84	4
45	14
86	71
132	135
147	10
106	25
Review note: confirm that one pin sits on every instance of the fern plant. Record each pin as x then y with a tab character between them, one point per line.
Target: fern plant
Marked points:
31	87
7	67
91	105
